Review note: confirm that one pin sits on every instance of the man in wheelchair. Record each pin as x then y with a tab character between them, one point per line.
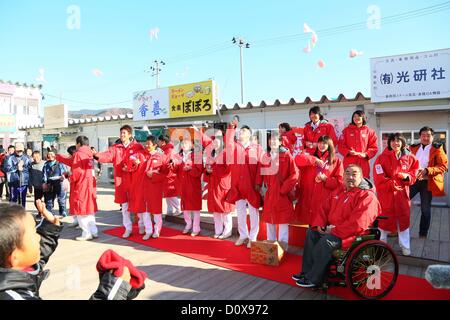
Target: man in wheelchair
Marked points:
349	212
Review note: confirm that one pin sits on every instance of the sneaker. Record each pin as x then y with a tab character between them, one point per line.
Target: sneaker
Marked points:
126	234
406	251
147	236
298	276
249	244
186	231
225	236
194	234
155	235
86	238
216	236
240	242
141	230
95	235
305	283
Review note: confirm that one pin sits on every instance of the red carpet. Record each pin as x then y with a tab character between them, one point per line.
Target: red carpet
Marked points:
225	254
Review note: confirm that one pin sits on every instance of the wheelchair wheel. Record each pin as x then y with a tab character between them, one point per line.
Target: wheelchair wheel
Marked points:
371	270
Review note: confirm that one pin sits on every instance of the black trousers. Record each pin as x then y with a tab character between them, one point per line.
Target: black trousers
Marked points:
421	186
318	254
38	195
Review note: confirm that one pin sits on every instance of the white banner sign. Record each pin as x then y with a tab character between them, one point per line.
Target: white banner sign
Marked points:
415	76
56	116
151	104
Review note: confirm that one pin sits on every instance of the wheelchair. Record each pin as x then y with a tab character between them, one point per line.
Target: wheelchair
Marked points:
369	267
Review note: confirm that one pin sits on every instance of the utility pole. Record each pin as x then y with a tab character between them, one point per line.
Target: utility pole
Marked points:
242	44
156	70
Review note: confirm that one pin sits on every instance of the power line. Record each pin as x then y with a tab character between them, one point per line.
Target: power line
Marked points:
324	33
354	26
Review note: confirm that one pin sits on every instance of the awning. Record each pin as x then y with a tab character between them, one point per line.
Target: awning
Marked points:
50	137
141	135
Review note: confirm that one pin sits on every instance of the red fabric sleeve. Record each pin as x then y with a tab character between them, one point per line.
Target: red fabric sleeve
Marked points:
372	145
365	211
64	160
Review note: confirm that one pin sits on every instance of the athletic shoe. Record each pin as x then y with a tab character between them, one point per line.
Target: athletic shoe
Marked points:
95	235
240	241
155	235
126	234
225	236
305	283
147	236
406	251
298	276
87	238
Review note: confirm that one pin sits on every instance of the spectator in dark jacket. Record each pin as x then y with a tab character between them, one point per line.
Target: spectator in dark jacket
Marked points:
37	176
17	169
25	249
2	174
53	177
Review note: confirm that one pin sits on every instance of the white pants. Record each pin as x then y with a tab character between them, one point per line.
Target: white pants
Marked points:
241	210
188	220
403	238
283	232
173	206
223	223
87	225
146	222
127	223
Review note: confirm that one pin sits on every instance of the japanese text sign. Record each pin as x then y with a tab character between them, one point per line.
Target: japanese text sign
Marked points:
188	100
415	76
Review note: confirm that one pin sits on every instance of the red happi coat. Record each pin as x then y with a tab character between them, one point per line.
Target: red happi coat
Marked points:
312	193
190	182
363	139
171	184
351	212
116	155
83	193
137	165
244	163
153	188
280	176
395	204
324	129
289	140
218	184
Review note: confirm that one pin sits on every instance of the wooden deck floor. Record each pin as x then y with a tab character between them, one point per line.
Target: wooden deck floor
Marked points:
73	273
437	245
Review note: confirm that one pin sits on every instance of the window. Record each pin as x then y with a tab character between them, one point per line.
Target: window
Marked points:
412	137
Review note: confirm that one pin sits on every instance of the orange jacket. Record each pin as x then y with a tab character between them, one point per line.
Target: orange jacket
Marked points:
437	166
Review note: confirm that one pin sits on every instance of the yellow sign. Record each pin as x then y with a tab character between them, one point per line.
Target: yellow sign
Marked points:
194	99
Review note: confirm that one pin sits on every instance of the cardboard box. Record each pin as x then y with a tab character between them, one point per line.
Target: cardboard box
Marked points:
266	252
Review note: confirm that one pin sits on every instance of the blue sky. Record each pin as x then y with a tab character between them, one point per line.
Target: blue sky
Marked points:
114	38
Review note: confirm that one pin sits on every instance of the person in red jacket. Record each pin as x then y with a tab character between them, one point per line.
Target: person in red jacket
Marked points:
395	170
189	168
116	154
156	168
320	174
217	175
83	197
348	212
171	188
289	139
278	173
136	163
358	143
316	128
244	159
